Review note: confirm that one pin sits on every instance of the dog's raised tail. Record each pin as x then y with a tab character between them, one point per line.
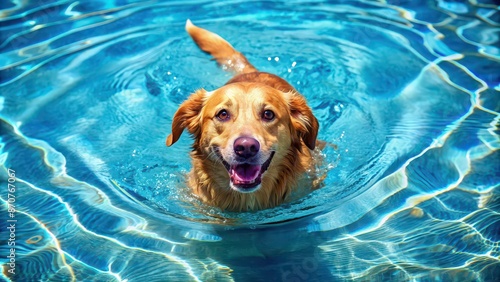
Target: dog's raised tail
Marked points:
220	49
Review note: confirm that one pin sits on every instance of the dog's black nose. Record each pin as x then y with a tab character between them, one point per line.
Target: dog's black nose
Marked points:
246	147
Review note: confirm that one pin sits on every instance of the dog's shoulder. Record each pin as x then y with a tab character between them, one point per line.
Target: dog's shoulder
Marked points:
268	79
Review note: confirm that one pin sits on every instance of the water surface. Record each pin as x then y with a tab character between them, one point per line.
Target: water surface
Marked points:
407	92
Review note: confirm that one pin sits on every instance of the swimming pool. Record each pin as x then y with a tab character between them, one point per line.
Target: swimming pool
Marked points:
408	93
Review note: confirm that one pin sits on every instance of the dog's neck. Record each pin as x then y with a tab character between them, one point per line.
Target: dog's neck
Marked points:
210	181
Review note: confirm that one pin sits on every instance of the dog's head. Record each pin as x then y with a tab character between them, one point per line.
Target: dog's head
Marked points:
245	130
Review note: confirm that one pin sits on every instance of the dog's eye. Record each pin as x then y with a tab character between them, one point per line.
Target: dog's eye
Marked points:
222	115
268	115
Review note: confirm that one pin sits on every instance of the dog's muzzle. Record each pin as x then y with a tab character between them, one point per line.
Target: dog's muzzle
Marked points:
245	177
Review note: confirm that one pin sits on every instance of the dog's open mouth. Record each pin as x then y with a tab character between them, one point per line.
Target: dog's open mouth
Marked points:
245	177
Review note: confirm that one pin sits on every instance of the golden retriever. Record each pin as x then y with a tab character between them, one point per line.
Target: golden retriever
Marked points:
253	137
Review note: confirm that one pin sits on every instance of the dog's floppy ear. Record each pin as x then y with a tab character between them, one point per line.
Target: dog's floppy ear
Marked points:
187	116
303	120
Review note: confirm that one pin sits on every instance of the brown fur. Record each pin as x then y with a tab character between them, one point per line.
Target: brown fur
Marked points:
291	135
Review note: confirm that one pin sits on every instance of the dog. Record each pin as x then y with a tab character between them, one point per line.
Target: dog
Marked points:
253	137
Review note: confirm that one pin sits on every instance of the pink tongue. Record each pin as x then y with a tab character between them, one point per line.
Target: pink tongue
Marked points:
245	172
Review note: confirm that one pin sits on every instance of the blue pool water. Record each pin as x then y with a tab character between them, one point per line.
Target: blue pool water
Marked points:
408	92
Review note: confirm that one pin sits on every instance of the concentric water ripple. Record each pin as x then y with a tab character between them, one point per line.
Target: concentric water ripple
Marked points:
406	93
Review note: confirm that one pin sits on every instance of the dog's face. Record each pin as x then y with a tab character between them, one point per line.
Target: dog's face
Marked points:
244	131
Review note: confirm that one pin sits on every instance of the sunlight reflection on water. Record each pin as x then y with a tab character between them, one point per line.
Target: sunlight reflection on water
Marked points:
407	93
